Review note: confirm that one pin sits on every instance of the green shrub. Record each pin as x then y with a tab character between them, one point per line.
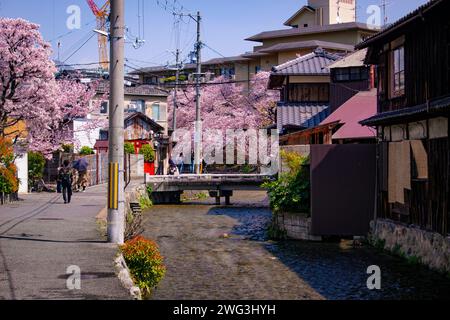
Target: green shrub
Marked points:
67	148
129	148
36	166
145	202
145	263
291	192
8	171
148	153
86	151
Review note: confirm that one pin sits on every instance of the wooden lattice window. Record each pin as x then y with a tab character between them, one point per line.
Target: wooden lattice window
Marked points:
398	71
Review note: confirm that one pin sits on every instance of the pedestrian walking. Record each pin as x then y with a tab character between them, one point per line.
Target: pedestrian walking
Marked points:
65	178
83	175
180	163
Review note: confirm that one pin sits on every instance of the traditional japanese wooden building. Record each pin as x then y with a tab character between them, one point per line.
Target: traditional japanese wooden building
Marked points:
352	98
413	63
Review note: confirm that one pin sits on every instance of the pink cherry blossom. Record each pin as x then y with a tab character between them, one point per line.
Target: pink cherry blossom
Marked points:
30	94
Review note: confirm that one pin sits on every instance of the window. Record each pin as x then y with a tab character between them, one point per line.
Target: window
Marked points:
355	74
257	69
136	106
300	92
305	25
398	76
104	107
341	75
351	74
156	112
103	136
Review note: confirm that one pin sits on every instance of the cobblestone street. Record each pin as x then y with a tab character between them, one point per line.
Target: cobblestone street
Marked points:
221	253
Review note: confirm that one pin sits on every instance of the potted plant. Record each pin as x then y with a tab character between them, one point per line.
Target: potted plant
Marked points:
149	159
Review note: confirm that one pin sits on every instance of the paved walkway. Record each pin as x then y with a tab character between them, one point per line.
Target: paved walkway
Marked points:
40	237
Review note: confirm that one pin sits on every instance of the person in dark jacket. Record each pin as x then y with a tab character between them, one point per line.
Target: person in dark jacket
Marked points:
65	178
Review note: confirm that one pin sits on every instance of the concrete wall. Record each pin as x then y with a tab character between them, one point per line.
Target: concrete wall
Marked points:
429	248
306	17
137	166
347	12
22	172
296	226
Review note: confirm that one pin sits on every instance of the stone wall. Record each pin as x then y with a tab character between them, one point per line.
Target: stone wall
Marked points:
137	166
431	249
134	194
296	226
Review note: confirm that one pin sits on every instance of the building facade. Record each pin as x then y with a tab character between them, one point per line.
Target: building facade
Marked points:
328	24
352	98
413	59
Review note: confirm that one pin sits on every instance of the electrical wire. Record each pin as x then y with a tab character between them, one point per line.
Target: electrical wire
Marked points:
84	43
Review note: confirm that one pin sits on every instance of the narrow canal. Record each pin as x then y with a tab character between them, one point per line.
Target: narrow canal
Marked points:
214	252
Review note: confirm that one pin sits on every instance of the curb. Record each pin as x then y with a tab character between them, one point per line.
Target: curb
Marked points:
125	278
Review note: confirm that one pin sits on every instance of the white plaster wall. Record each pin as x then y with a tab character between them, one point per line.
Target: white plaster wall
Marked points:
84	137
22	172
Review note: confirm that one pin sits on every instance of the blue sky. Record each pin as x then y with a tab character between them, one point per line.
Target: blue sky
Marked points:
226	23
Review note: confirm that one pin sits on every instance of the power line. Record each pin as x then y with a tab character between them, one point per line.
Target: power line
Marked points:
85	42
70	32
79	48
80	64
213	50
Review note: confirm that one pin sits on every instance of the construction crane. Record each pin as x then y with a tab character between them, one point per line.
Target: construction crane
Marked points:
102	15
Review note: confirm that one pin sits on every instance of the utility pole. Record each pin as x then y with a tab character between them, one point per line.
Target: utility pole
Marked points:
385	18
198	120
177	78
116	192
198	74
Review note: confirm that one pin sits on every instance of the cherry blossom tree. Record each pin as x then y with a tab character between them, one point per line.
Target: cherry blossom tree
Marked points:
225	105
30	94
228	105
74	101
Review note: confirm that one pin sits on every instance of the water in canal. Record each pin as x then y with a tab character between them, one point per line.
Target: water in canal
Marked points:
335	270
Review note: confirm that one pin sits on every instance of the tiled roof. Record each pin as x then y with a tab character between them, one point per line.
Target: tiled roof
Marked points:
192	66
292	32
154	125
359	107
355	59
307	44
401	22
149	70
142	90
255	54
436	106
301	114
314	63
225	60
